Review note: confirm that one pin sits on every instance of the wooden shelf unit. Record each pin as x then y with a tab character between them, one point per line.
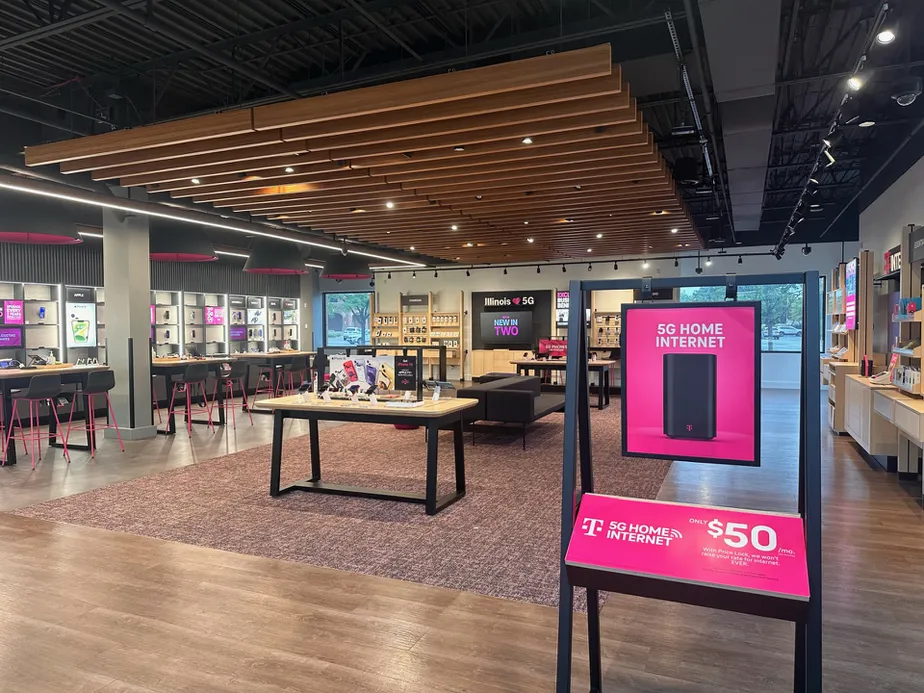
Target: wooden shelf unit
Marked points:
424	320
910	325
605	328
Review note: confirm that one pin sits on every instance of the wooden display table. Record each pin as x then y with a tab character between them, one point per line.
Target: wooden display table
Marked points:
443	414
18	378
169	367
602	367
836	371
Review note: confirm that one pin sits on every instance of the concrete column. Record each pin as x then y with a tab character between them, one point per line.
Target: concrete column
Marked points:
127	283
307	290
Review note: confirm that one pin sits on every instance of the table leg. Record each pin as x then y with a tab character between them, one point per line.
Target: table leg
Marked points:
433	444
219	399
315	450
8	422
276	456
593	641
459	444
519	369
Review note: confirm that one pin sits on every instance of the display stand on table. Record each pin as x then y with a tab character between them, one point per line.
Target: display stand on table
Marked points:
321	361
794	595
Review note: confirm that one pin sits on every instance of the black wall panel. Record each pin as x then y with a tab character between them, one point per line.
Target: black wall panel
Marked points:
82	265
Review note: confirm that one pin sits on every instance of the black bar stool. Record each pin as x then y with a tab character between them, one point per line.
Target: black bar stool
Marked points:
236	374
42	388
298	367
193	378
99	383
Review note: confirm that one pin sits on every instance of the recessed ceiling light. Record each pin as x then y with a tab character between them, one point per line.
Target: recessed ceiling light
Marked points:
194	181
458	148
478	197
527	140
590	250
390	205
289	169
599	235
530	240
855	83
526	223
659	212
674	230
885	36
866	124
577	187
412	247
569	220
469	245
454	227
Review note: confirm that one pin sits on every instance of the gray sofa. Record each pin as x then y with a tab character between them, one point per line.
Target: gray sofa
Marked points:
509	399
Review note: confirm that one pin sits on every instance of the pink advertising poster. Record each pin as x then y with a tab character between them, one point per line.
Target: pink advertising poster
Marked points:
740	550
690	382
850	295
214	315
13	313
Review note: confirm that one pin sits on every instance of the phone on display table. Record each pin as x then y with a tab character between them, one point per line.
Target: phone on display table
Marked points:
441	384
350	369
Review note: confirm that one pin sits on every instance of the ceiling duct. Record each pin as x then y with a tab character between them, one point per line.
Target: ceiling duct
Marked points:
743	66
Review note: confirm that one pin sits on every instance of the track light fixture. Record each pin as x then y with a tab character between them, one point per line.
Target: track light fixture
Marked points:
414	274
831	159
615	266
436	274
832	138
708	261
740	260
676	262
806	249
855	82
505	270
563	268
644	264
389	275
468	273
538	269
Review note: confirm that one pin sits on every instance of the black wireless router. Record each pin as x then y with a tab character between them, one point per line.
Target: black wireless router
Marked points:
689	396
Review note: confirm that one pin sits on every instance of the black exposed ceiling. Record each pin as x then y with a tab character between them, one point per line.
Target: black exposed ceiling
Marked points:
85	66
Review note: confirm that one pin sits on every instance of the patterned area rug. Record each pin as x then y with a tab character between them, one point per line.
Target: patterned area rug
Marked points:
501	540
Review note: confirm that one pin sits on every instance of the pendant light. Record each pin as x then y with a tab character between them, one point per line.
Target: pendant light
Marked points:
269	256
172	242
340	266
36	222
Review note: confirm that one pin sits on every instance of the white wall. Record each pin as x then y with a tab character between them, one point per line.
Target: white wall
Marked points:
778	370
901	204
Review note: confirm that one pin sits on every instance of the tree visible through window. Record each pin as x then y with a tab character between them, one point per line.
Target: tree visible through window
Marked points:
780	311
346	318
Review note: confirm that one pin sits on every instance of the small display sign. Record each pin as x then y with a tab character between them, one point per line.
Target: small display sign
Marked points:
13	313
80	318
406	373
238	333
850	294
10	337
562	306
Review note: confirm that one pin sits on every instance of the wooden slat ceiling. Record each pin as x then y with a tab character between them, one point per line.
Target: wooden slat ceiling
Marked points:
441	164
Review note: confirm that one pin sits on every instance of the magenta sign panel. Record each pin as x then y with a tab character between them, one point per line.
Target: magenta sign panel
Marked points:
742	550
13	313
214	315
691	382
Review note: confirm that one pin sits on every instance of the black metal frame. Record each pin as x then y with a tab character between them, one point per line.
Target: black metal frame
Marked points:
807	674
757	359
171	370
603	386
434	503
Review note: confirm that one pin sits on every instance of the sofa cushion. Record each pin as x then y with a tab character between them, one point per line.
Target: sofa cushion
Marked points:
548	403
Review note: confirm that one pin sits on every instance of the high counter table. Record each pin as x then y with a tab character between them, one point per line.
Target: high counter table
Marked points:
277	360
169	367
524	366
18	379
442	414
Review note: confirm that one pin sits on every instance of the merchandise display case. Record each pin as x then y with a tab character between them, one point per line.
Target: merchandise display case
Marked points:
42	337
204	324
605	328
282	323
165	322
256	323
237	323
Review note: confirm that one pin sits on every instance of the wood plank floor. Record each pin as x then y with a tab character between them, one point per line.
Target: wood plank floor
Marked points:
86	610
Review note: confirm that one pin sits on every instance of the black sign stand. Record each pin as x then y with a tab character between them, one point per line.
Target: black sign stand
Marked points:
807	674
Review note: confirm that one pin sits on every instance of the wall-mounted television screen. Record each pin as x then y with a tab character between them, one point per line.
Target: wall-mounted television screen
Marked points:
10	337
238	333
507	329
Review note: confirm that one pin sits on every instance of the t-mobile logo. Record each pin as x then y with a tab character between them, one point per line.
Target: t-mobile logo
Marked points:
689	427
592	527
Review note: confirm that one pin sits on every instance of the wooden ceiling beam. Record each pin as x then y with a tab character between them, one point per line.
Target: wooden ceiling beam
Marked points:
545	70
316	174
207	166
283	192
496	138
621	145
245	180
205	127
529	178
236	148
616	182
577	199
380	123
371	198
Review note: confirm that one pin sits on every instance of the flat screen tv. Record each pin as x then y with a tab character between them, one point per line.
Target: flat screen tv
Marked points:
10	337
238	333
507	329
